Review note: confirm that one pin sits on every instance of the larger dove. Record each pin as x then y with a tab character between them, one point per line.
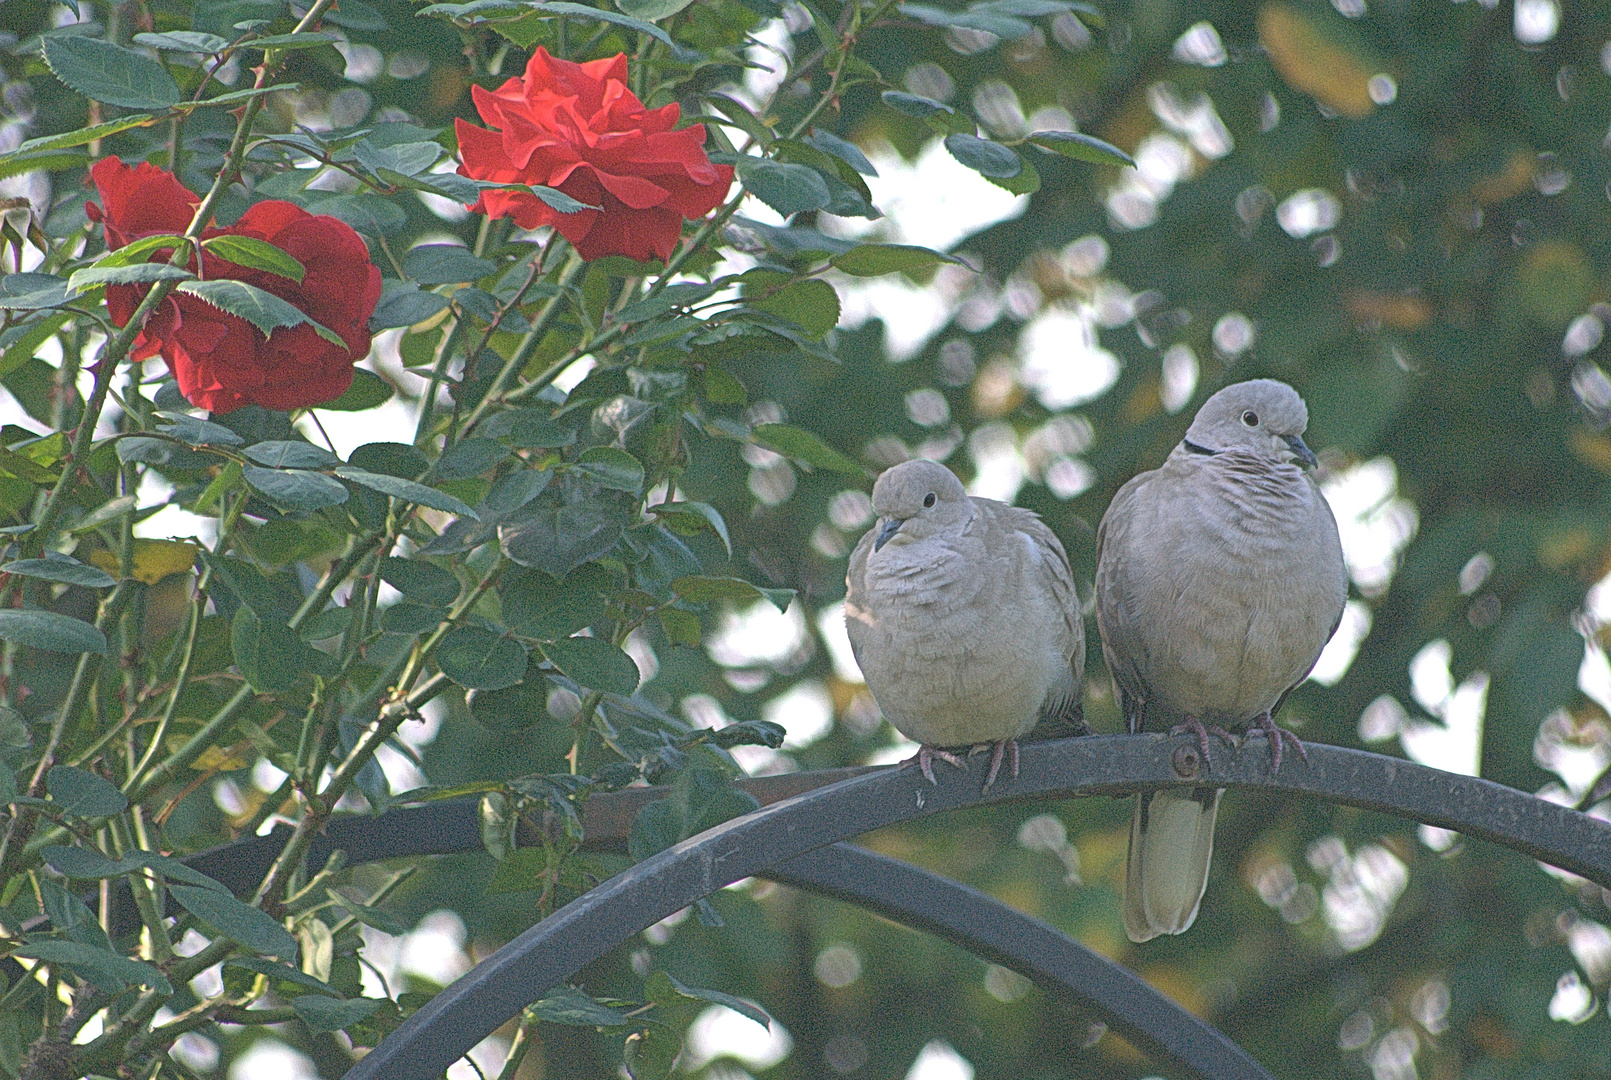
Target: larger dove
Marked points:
1219	580
963	616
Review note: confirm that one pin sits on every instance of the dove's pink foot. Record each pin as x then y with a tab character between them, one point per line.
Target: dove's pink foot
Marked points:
1277	735
1195	726
1003	748
925	761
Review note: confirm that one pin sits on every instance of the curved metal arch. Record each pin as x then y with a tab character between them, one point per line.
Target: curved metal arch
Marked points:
1056	962
547	953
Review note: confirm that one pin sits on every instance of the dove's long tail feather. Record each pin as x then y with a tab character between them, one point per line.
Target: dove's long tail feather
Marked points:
1171	842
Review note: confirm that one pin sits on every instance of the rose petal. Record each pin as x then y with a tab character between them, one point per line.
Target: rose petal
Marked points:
140	201
221	361
581	129
636	192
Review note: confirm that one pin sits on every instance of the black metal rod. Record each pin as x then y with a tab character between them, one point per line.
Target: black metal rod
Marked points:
523	969
1062	966
894	889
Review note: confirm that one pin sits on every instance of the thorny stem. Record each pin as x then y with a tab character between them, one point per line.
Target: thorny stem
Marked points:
472	356
610	333
318	808
528	344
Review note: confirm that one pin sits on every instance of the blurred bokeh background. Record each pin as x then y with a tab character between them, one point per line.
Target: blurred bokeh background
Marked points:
1401	208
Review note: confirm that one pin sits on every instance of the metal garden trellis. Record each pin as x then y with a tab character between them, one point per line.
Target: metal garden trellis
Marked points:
797	839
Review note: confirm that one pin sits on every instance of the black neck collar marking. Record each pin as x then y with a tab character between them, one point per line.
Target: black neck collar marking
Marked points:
1192	447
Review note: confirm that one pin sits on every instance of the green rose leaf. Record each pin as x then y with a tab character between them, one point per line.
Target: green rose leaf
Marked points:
195	431
479	659
983	156
743	1008
811	305
913	105
568	1005
512	491
582	11
368	214
538	605
50	631
700	590
240	922
268	653
83	135
1080	147
788	189
594	663
420	581
612	468
110	73
92	277
845	151
277	971
514	708
803	446
408	618
83	794
1025	182
471	457
297	489
255	254
61	568
405	307
326	624
407	490
289	454
977	17
691	517
528	429
294	41
367	391
84	864
117	970
380	919
652	9
324	1014
404	159
262	309
445	264
559	538
183	41
872	260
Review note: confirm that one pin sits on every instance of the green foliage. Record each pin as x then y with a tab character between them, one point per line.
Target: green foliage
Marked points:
1418	256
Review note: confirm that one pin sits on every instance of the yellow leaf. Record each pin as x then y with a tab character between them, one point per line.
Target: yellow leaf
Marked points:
1591	449
1515	178
1556	280
225	759
153	559
1308	58
1394	309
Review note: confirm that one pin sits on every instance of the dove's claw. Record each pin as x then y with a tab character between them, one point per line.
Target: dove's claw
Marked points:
1194	726
925	761
1277	735
1002	748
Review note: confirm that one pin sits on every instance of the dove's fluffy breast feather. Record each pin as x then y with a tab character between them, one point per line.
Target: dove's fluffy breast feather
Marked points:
963	640
1220	582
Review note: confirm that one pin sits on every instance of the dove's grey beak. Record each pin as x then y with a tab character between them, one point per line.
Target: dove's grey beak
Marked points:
1305	455
889	528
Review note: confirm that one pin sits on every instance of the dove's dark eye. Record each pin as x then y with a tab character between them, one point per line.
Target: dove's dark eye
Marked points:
1250	418
928	500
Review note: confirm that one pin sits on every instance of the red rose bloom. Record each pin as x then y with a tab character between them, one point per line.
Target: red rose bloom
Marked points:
577	127
221	361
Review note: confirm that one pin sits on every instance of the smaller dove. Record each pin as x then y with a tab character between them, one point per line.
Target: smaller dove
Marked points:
1219	580
963	616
